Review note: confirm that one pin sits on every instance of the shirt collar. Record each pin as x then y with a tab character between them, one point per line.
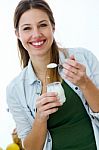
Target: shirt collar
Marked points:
31	76
30	73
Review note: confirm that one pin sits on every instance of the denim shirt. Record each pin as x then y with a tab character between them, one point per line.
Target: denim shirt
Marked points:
23	91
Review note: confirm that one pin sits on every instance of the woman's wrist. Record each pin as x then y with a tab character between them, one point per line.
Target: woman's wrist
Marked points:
85	84
40	119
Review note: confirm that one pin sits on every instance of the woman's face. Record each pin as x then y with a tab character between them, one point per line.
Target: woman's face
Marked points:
35	32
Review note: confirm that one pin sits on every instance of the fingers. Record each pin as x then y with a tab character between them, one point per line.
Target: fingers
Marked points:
70	68
49	94
73	65
47	104
72	57
47	98
74	71
50	111
50	105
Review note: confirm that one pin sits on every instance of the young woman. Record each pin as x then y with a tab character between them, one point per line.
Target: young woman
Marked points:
42	122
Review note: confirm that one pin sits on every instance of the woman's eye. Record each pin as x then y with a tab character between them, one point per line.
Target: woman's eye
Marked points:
43	25
27	28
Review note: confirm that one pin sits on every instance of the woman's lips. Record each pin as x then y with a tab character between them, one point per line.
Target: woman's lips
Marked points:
38	43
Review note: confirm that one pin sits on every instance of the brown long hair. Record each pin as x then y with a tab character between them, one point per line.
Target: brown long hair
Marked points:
23	6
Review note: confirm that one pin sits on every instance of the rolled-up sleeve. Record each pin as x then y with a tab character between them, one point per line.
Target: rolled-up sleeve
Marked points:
18	112
93	63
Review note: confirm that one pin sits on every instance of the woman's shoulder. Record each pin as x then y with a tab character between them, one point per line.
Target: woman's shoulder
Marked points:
77	52
81	52
74	49
17	80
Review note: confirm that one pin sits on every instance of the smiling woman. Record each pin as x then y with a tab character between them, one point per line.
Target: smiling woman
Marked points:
49	114
35	33
79	22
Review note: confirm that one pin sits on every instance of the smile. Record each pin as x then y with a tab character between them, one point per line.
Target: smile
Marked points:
38	43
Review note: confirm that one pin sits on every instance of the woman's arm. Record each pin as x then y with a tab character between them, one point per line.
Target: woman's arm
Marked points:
33	131
91	93
36	138
76	73
47	104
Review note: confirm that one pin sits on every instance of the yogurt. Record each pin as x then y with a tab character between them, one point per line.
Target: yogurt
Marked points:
57	87
52	65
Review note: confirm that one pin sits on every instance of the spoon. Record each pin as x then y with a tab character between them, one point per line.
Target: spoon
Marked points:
54	65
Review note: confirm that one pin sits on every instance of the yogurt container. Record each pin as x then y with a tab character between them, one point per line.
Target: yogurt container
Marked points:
57	87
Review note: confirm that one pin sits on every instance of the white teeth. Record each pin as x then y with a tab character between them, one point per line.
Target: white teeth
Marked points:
38	43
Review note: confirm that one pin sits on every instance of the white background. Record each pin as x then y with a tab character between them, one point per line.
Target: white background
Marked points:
77	25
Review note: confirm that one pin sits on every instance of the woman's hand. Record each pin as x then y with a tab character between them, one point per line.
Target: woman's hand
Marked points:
75	72
47	104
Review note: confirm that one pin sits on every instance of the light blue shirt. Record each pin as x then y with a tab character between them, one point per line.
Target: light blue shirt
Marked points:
23	91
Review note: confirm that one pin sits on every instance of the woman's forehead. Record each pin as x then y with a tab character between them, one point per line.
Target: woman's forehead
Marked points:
33	15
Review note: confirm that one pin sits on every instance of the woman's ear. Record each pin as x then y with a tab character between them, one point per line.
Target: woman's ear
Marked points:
53	28
17	33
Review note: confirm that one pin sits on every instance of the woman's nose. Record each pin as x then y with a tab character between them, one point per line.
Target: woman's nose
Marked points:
36	33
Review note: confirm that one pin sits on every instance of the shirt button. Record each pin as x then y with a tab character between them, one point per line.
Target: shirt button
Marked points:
49	140
86	103
93	117
38	81
7	109
35	109
76	88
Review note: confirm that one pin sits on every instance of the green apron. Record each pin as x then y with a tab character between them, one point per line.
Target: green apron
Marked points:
70	127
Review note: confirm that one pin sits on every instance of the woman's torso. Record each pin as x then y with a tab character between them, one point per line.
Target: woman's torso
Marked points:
70	127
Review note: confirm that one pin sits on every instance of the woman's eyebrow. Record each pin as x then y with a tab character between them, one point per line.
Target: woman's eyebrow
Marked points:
43	21
27	24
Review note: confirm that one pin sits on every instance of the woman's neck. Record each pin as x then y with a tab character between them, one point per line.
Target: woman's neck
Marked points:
40	71
40	66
